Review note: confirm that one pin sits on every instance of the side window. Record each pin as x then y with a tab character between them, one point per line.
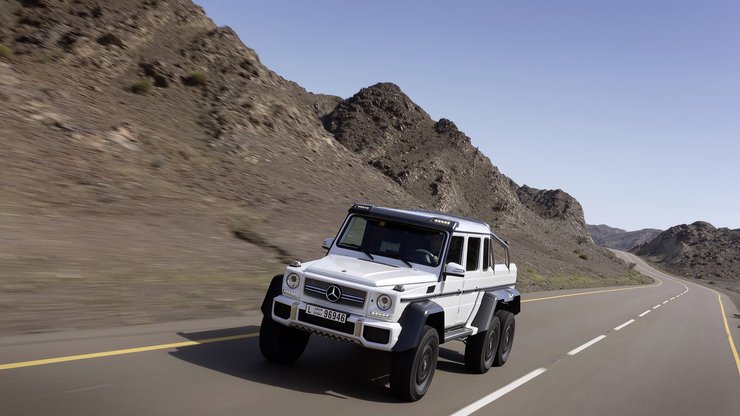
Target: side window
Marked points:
473	254
486	254
454	255
499	253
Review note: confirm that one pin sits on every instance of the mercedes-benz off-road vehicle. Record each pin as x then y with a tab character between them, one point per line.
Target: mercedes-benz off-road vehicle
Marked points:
404	282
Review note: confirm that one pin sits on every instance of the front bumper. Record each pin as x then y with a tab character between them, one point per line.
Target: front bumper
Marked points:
368	332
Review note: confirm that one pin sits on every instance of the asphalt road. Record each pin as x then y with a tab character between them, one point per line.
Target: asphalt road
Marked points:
651	350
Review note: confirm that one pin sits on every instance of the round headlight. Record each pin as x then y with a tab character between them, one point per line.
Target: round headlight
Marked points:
384	302
293	280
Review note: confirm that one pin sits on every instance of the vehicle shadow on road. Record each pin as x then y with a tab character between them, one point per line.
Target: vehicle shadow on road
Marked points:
326	367
451	361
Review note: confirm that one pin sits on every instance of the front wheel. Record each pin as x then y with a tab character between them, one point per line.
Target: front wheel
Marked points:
279	343
412	370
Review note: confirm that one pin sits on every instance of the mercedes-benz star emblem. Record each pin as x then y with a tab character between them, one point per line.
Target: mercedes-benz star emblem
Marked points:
333	293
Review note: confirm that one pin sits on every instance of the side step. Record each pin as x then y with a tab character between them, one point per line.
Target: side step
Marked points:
457	333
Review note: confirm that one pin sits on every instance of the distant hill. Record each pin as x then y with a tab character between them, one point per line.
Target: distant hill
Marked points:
620	239
698	251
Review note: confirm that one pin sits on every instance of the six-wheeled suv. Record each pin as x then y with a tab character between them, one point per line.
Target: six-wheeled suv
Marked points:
399	281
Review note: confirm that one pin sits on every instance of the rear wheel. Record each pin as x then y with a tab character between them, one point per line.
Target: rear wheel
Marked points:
280	343
412	370
508	325
481	348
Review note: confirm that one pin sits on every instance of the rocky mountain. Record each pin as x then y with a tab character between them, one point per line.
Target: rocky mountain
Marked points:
153	168
436	163
699	251
620	239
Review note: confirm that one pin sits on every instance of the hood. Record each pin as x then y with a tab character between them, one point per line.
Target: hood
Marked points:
367	272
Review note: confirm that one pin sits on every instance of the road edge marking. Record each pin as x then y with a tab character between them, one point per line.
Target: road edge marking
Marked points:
78	357
660	282
729	334
480	403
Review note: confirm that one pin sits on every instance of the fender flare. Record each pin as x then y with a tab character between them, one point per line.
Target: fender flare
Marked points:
276	288
505	299
413	320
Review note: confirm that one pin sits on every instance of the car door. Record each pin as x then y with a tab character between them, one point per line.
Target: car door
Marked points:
452	285
475	259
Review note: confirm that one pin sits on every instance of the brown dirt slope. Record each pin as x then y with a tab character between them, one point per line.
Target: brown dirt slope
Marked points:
699	251
152	168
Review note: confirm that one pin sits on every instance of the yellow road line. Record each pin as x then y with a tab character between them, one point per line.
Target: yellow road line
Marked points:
121	352
220	339
660	282
729	335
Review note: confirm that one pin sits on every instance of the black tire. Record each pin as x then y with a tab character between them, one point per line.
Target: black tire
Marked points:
412	370
279	343
481	348
508	327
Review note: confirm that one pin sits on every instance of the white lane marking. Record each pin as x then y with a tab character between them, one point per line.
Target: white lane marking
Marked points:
586	345
477	405
644	313
656	306
624	324
664	302
102	386
672	298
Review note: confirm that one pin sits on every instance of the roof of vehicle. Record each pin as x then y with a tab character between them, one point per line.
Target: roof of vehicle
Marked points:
438	220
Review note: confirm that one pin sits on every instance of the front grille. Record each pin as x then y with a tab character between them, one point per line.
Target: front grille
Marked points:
347	327
350	297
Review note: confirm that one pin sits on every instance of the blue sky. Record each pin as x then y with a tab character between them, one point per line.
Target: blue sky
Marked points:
633	107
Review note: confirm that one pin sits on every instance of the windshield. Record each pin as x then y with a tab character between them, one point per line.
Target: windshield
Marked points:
397	240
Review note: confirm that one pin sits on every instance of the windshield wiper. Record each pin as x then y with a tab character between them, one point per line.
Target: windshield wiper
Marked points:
358	248
398	257
406	261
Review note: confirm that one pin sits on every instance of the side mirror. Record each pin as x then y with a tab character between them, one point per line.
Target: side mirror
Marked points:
454	269
327	243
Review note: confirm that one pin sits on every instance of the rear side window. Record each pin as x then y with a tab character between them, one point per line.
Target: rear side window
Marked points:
486	253
473	254
456	250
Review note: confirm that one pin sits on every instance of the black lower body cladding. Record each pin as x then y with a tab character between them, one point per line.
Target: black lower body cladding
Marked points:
413	320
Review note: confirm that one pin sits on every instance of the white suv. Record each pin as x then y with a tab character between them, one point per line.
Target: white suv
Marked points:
399	281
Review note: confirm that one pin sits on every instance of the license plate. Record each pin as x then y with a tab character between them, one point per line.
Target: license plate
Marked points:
326	313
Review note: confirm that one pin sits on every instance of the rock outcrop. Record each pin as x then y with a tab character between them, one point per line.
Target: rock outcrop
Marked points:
619	239
699	251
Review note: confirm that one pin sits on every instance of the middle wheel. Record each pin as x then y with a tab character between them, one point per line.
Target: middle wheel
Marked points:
480	349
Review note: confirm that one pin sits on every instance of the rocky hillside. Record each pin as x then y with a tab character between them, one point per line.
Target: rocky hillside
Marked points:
153	168
620	239
436	163
699	251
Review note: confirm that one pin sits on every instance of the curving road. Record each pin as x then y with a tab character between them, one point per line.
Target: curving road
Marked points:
659	349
